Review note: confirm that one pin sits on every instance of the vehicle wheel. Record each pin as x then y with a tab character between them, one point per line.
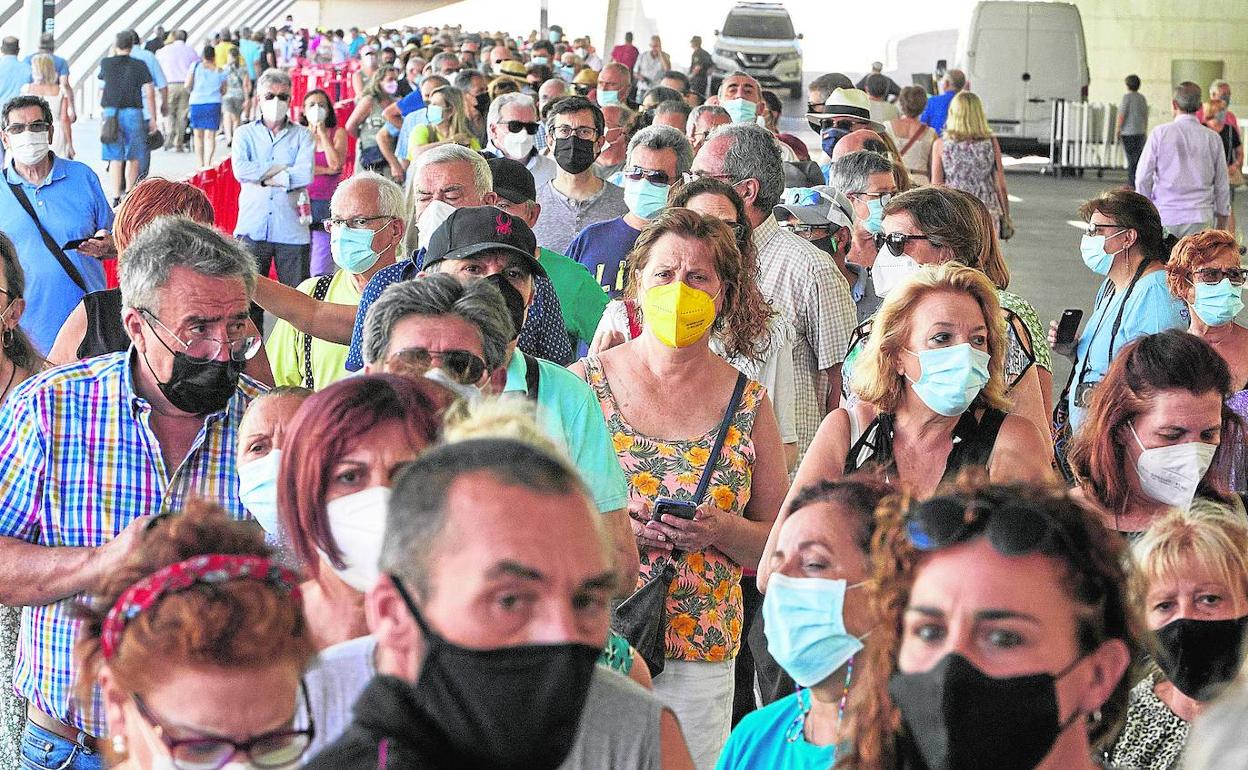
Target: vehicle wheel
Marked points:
795	90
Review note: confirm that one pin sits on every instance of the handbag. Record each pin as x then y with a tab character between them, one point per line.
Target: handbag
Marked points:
155	140
110	130
642	617
1005	226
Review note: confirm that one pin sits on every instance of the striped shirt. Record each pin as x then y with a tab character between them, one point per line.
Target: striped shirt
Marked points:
78	462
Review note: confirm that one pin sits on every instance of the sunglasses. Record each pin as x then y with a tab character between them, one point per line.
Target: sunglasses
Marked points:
1236	275
13	129
516	126
283	97
803	229
460	365
896	242
1013	530
637	173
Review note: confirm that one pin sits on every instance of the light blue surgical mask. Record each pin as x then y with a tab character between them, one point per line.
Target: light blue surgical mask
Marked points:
608	98
1092	249
352	248
950	378
433	114
539	60
741	110
804	622
257	489
875	216
1218	303
567	73
644	198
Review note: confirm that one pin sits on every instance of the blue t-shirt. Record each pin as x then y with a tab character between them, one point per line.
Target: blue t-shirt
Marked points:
760	740
250	51
602	248
1151	308
937	110
206	88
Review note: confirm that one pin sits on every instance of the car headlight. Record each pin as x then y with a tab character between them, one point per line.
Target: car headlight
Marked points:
724	52
791	56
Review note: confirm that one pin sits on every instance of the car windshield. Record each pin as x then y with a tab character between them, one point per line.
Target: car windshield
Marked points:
771	26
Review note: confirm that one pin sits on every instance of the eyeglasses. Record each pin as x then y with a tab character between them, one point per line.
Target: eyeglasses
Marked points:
588	133
13	129
208	348
278	749
271	96
1013	530
516	126
1236	275
637	173
359	223
803	229
1092	227
844	124
882	197
462	366
896	242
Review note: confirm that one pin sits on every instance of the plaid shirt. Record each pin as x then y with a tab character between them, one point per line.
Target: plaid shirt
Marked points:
804	284
78	462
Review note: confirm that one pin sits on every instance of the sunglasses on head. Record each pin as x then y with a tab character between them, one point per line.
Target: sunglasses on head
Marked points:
896	242
1013	530
516	126
637	173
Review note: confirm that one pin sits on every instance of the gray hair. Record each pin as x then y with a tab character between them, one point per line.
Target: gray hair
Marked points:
480	303
482	180
390	199
272	77
704	109
664	138
418	506
1187	96
674	107
496	107
436	62
849	173
753	153
174	241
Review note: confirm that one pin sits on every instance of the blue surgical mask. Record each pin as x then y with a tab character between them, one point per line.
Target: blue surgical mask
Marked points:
740	110
554	36
539	60
608	98
804	622
950	378
433	114
644	198
828	138
567	73
1092	249
352	248
257	489
875	216
1218	303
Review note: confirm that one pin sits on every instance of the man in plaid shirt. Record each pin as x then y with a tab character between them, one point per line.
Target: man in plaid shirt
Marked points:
93	450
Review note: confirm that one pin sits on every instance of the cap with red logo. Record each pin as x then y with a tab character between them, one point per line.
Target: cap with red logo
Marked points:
469	232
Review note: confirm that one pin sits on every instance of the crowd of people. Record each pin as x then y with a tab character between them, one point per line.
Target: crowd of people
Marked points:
594	421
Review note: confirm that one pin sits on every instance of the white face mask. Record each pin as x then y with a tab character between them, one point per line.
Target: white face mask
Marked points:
431	219
29	147
889	271
518	145
358	524
470	393
273	110
1170	474
316	114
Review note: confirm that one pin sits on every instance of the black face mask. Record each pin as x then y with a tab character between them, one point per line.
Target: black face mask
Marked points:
511	707
512	298
198	387
483	102
574	154
826	245
959	718
1199	656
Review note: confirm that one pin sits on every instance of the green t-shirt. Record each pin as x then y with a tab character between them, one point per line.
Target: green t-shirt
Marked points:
285	344
581	299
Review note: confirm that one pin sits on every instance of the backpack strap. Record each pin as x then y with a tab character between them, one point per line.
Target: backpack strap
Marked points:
532	376
318	293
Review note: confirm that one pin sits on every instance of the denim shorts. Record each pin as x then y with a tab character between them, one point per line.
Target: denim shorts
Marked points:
43	750
131	135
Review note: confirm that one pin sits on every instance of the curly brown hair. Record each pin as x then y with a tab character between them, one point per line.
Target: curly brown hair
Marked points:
239	623
1096	580
743	322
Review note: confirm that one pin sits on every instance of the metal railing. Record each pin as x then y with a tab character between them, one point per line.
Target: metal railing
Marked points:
1083	137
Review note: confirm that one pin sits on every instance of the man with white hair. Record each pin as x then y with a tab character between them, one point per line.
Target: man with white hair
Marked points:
367	222
272	159
512	125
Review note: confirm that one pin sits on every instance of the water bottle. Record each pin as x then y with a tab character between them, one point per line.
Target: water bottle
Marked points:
304	207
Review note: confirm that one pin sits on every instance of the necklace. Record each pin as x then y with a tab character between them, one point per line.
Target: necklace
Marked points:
797	728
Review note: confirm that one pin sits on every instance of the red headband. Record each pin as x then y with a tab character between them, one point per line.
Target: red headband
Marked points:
207	569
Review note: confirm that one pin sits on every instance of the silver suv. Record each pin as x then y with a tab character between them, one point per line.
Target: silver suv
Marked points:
758	39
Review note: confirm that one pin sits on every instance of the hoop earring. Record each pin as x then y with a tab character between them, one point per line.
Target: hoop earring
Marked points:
8	339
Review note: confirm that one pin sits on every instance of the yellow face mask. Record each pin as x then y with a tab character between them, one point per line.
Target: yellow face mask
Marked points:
678	314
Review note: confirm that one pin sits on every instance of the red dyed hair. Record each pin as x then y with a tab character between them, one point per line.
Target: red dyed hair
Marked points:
330	424
1193	252
155	197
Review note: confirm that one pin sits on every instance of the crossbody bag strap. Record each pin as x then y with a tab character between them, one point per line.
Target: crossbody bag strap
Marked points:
916	136
66	264
319	291
532	376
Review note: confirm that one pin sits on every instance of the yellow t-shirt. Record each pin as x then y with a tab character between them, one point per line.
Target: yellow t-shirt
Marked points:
285	343
222	51
427	134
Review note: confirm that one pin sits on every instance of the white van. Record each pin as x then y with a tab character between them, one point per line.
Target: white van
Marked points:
1018	58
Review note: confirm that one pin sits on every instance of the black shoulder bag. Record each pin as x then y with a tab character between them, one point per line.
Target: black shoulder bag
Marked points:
66	264
642	617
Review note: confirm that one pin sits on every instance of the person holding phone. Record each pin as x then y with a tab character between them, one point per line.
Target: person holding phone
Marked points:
663	395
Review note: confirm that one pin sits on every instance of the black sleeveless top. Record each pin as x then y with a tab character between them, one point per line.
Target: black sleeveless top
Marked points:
105	333
973	441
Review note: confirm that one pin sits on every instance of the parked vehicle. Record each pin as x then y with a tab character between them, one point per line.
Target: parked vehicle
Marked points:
758	38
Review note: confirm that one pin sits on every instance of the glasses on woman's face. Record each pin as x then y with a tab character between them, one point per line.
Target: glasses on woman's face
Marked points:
277	749
462	366
1094	228
1236	275
896	242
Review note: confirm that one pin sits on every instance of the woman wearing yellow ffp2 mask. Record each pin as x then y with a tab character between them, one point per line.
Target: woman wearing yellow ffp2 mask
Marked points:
664	395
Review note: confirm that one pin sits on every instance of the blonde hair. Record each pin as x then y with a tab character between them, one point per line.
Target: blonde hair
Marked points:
499	418
1211	534
43	70
875	377
966	119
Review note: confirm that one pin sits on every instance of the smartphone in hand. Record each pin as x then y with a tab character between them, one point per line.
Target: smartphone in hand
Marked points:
682	508
77	242
1068	326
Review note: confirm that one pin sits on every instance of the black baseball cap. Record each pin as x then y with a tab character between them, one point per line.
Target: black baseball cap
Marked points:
512	180
468	232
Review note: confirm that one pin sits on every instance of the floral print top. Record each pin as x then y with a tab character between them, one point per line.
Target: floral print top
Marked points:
704	608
